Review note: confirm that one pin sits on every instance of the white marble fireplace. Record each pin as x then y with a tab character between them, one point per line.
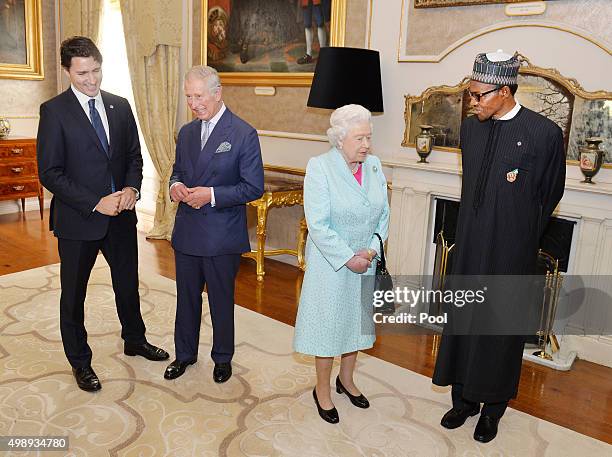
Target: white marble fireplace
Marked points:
414	189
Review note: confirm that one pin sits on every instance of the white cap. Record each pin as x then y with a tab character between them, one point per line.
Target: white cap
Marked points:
498	56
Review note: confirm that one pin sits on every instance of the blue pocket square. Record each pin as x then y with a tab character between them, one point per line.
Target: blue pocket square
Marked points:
223	147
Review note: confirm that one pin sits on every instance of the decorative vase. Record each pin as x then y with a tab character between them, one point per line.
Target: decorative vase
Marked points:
424	143
5	127
591	158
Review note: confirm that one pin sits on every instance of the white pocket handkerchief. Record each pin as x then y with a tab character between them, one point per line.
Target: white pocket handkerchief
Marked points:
223	147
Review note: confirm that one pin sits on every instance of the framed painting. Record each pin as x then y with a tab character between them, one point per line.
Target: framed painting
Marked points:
580	114
269	42
21	53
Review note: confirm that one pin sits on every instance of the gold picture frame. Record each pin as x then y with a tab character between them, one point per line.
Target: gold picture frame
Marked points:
25	52
446	3
272	78
579	113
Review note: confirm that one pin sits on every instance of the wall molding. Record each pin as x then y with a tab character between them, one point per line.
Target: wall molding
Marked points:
484	31
293	136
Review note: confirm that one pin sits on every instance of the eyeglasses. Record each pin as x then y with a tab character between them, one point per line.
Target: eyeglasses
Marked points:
478	96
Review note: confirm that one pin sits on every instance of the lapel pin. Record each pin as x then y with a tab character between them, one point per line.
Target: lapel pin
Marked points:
375	168
511	175
112	107
519	143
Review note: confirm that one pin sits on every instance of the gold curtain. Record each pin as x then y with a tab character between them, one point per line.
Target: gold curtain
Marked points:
152	30
82	17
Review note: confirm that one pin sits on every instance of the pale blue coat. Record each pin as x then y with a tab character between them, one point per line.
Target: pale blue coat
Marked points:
342	218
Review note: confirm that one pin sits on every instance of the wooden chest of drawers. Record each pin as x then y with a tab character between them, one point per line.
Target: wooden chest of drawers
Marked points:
18	171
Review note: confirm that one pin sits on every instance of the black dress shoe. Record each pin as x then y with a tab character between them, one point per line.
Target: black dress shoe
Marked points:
146	350
360	401
486	429
328	415
177	368
86	379
222	372
456	417
306	58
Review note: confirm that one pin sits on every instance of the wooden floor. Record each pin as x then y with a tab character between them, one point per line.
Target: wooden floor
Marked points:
580	399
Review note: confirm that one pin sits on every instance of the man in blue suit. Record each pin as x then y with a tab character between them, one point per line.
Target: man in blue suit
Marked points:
89	158
217	171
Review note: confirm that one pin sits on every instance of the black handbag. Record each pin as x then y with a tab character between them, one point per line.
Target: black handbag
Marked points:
383	283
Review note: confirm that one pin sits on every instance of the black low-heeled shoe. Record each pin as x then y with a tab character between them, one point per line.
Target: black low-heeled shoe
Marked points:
328	415
455	418
222	372
177	368
360	401
486	429
146	350
86	379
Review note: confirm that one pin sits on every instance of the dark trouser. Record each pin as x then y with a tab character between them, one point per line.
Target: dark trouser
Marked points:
310	11
218	273
489	409
120	249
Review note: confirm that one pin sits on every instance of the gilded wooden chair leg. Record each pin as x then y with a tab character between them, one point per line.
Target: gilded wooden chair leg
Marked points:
262	220
302	244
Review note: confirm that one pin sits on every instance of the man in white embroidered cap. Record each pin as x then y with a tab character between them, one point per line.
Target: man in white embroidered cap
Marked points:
513	178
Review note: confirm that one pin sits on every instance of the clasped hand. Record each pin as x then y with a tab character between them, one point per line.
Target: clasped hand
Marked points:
196	197
114	203
360	262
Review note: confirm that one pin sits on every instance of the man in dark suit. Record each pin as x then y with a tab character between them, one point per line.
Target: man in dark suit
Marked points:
89	158
217	170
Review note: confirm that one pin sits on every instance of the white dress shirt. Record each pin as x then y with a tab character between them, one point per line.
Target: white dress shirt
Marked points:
510	114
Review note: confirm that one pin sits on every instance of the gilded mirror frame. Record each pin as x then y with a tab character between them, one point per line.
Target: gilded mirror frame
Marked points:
527	69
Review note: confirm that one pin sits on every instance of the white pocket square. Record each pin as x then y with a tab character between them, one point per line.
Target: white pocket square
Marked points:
223	147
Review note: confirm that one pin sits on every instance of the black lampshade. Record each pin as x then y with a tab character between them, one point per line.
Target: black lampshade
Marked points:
344	76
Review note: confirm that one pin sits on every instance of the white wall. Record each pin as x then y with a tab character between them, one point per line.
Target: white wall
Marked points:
571	55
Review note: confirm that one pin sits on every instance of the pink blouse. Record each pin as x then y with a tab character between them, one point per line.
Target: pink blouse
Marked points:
358	174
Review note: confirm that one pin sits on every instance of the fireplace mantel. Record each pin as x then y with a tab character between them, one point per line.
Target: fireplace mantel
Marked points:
414	188
602	188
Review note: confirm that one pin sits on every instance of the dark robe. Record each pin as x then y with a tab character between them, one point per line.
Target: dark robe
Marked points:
501	219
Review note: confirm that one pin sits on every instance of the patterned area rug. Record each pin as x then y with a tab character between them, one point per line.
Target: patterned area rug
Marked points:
266	409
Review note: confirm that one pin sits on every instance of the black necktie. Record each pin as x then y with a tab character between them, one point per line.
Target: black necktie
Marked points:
96	121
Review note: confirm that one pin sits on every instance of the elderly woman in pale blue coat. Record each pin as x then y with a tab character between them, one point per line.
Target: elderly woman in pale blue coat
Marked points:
345	202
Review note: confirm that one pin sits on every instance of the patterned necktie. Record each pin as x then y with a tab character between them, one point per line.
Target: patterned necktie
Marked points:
205	133
96	121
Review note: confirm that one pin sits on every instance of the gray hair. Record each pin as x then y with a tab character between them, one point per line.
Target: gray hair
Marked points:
206	74
344	119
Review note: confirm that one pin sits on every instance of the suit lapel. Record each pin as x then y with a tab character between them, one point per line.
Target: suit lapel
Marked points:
205	163
82	121
194	145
